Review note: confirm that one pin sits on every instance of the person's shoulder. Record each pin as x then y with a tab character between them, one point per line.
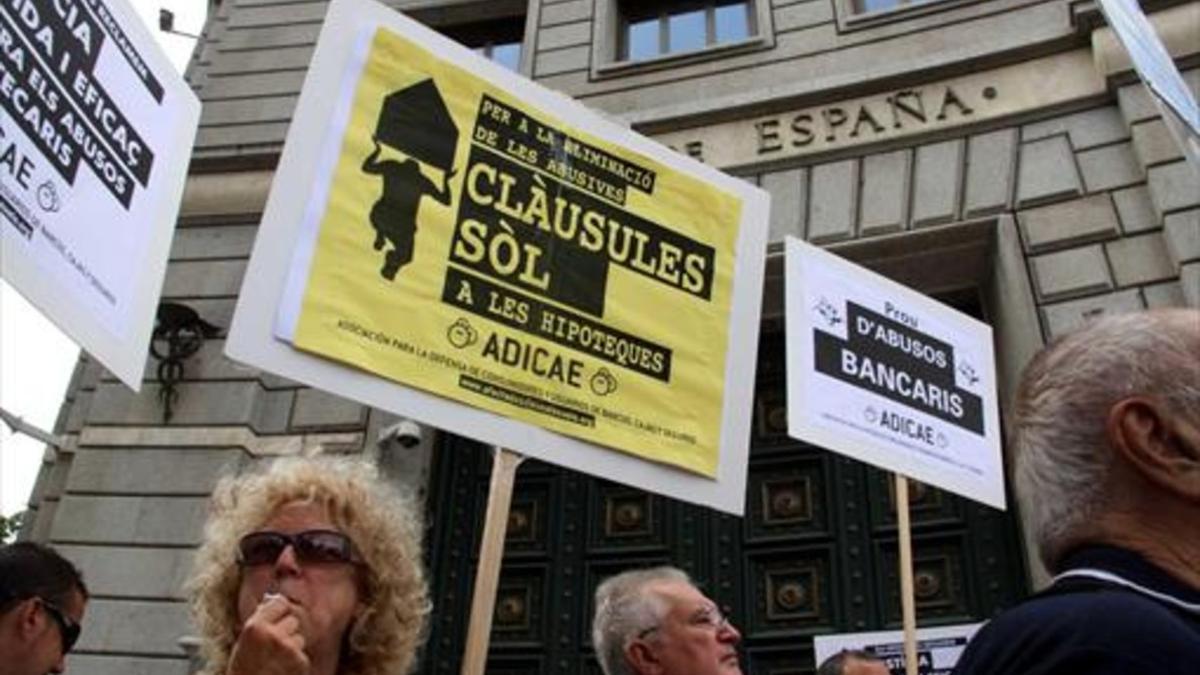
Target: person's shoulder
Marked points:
1112	630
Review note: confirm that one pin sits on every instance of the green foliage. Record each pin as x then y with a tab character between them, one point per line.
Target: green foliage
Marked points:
10	526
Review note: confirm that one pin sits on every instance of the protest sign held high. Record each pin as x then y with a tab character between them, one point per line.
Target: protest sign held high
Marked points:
491	258
94	145
886	375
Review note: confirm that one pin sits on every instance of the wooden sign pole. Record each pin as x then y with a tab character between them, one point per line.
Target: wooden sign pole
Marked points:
491	551
907	599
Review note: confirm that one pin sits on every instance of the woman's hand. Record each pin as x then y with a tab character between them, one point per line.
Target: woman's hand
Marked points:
270	642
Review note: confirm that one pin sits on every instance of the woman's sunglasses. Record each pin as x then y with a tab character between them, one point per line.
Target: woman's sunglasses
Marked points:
311	546
67	628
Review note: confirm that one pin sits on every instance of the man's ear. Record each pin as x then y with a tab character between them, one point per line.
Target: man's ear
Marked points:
30	619
1161	446
643	658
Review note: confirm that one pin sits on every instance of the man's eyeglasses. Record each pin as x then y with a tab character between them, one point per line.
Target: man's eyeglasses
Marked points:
67	628
709	618
311	546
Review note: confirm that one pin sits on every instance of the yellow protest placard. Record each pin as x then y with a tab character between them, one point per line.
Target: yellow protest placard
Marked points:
478	247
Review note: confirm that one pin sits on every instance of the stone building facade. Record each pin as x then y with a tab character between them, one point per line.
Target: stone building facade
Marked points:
997	154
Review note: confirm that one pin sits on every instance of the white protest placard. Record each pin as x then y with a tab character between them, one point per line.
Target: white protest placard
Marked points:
938	649
886	375
1151	59
95	140
1158	72
486	256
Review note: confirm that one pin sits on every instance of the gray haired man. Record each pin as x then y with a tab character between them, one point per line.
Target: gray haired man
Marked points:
1106	440
655	622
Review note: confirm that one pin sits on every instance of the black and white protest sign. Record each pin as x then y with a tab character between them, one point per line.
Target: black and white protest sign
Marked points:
95	136
884	374
938	649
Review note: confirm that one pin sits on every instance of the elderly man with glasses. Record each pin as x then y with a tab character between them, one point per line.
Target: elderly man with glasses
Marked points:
655	622
42	599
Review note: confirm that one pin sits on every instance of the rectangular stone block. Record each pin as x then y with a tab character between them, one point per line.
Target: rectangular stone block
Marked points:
1174	187
1047	171
561	61
1136	104
78	411
274	15
788	201
237	194
268	37
163	471
884	192
199	403
1182	233
261	60
1154	143
206	243
937	177
319	409
802	15
1064	317
1087	129
204	278
832	197
39	520
1140	260
566	35
1169	294
134	627
1069	223
991	167
1189	283
566	12
1109	167
1135	209
121	572
1070	273
123	664
148	521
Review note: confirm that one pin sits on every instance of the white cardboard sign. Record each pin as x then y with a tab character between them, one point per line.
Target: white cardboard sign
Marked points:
96	129
325	111
1151	59
938	649
881	373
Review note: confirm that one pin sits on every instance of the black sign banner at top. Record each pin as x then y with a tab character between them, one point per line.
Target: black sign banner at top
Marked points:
899	363
100	13
52	49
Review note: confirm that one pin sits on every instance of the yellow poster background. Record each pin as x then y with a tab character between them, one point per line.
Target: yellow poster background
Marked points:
403	330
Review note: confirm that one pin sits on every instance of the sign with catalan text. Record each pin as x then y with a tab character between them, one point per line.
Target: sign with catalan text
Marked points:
480	244
96	129
891	377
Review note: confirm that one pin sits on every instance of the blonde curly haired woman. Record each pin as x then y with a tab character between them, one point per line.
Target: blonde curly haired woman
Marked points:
310	568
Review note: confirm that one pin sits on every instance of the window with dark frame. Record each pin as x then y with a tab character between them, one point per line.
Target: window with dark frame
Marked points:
651	29
497	39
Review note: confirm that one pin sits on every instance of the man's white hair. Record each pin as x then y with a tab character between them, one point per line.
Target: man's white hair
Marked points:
1058	431
624	609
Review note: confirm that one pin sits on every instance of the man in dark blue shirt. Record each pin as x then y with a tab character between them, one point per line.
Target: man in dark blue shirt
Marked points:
1106	443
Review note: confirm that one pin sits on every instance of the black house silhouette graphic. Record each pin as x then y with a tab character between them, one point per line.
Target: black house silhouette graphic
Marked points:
415	121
